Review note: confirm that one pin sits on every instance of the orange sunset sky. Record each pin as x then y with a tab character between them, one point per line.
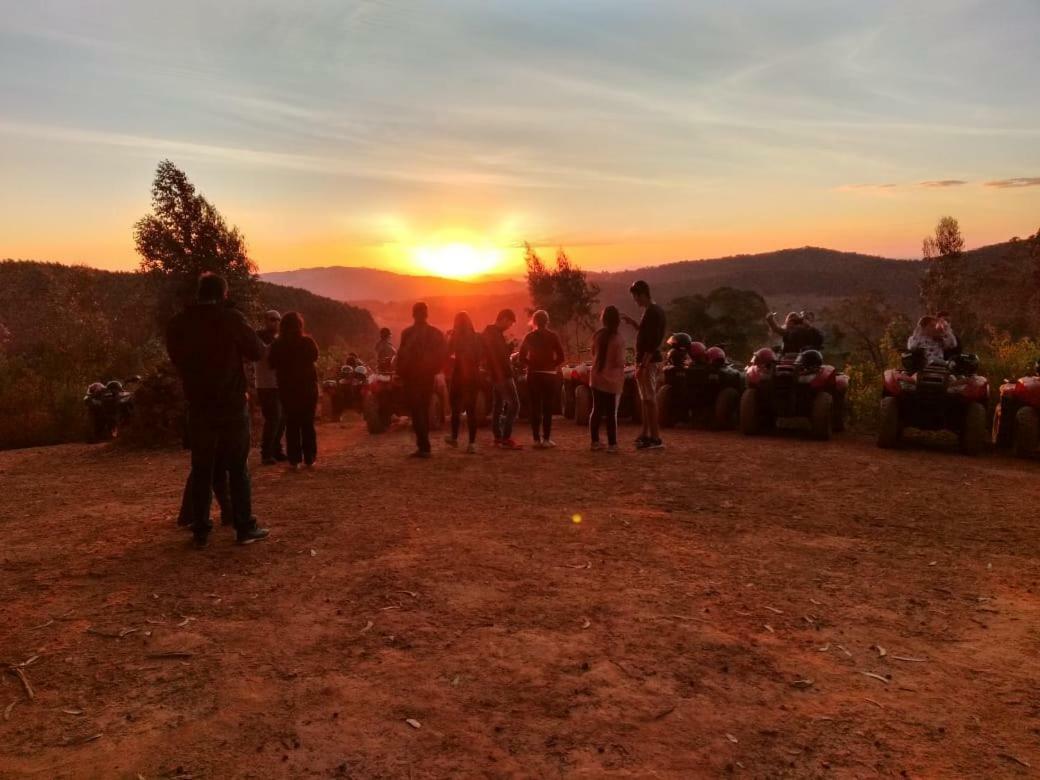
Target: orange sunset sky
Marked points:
437	137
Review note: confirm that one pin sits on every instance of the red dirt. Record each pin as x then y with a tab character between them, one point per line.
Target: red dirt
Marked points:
663	635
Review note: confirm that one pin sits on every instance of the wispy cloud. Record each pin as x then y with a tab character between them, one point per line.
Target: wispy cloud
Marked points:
867	187
1009	184
942	183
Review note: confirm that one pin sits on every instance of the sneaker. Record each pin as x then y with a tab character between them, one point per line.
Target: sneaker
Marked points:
255	534
200	542
471	449
612	448
294	467
451	442
548	444
421	454
653	444
510	444
537	444
596	446
640	440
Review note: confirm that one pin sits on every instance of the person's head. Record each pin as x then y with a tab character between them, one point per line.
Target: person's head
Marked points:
505	320
212	288
928	325
540	319
384	334
292	325
420	312
463	324
272	320
640	293
793	320
611	318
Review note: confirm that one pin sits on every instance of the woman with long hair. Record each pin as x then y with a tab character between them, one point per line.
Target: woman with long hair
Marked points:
292	356
541	353
607	378
465	350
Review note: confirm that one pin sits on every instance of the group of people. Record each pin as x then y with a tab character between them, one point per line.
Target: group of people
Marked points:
425	352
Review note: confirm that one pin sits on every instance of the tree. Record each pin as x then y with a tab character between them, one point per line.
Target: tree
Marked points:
861	324
185	235
725	316
945	286
564	292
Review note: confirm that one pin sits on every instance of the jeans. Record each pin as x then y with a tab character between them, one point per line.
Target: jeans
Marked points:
464	399
221	492
542	387
274	423
219	440
604	404
301	440
503	411
419	393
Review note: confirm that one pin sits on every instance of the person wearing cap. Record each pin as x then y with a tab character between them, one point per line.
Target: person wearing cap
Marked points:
266	383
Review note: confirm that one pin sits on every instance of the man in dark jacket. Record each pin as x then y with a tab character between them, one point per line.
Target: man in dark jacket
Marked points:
505	400
209	343
420	358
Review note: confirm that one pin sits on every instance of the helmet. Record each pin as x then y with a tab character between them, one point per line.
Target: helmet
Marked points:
697	350
345	371
676	357
95	388
764	357
715	356
811	358
115	387
361	371
679	340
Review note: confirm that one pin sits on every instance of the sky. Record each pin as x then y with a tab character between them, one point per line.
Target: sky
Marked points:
441	135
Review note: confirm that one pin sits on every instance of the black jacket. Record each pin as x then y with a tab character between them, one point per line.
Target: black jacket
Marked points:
293	359
208	344
496	354
422	352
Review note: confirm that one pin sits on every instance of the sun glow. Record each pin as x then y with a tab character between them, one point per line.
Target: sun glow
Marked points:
457	260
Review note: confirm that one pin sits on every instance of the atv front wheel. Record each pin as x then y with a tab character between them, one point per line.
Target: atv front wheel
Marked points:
726	403
1027	429
821	417
582	404
974	432
665	417
890	431
749	422
373	417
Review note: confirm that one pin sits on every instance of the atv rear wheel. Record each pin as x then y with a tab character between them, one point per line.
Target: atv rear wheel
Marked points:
373	417
890	430
665	417
974	432
726	403
749	422
1027	429
582	404
821	417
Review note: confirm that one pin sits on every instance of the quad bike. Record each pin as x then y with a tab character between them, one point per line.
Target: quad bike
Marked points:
793	386
383	398
939	396
1016	422
580	394
345	392
698	383
109	407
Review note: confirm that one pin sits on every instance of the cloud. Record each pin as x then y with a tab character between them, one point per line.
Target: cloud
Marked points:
1021	181
866	187
941	183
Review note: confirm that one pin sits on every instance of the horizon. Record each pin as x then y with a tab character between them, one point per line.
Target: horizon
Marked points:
355	135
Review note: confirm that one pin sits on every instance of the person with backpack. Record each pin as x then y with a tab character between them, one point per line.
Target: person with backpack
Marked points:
541	354
420	358
607	378
292	356
465	351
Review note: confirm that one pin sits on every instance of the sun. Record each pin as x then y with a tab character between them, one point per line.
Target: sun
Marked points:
457	260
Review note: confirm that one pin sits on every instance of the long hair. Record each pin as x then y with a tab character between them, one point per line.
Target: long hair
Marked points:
611	319
463	324
540	319
292	325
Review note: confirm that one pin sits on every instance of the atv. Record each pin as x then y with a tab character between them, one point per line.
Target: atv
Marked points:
699	384
383	398
109	407
345	392
793	386
1016	422
939	396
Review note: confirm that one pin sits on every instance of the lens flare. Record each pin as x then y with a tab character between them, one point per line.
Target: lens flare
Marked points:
576	519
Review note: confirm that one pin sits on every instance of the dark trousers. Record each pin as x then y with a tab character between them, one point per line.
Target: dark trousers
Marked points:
505	405
604	404
274	423
219	440
221	491
419	392
464	399
541	387
301	440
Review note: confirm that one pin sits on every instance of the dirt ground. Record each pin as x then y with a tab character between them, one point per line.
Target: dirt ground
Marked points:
757	608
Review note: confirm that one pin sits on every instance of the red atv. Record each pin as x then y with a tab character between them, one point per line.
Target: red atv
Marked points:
793	386
939	396
1016	423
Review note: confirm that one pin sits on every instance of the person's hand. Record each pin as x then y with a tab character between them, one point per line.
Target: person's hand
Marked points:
629	320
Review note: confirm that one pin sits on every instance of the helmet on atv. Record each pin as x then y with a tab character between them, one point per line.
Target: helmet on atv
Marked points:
361	371
697	351
966	364
716	356
115	387
679	340
764	357
95	388
811	359
345	371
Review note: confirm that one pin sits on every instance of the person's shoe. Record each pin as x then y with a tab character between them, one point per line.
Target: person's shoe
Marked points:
653	444
294	467
640	439
596	446
498	442
537	444
451	441
471	449
309	465
268	461
548	444
421	454
612	448
254	534
511	444
184	522
200	542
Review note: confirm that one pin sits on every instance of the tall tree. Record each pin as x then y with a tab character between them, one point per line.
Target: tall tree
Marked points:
861	325
564	292
945	285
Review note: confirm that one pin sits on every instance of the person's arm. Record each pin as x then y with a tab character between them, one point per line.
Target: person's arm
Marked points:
558	354
629	320
312	350
524	353
249	344
771	322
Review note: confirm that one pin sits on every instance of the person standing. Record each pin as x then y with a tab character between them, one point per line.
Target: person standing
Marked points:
505	401
292	357
266	382
607	377
385	352
419	360
209	344
650	333
541	353
464	354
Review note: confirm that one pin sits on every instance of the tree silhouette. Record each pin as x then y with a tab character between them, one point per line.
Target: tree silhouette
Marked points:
564	292
726	316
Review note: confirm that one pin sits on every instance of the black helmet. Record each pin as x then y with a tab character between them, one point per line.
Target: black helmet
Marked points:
679	340
966	364
811	358
346	370
95	388
115	387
